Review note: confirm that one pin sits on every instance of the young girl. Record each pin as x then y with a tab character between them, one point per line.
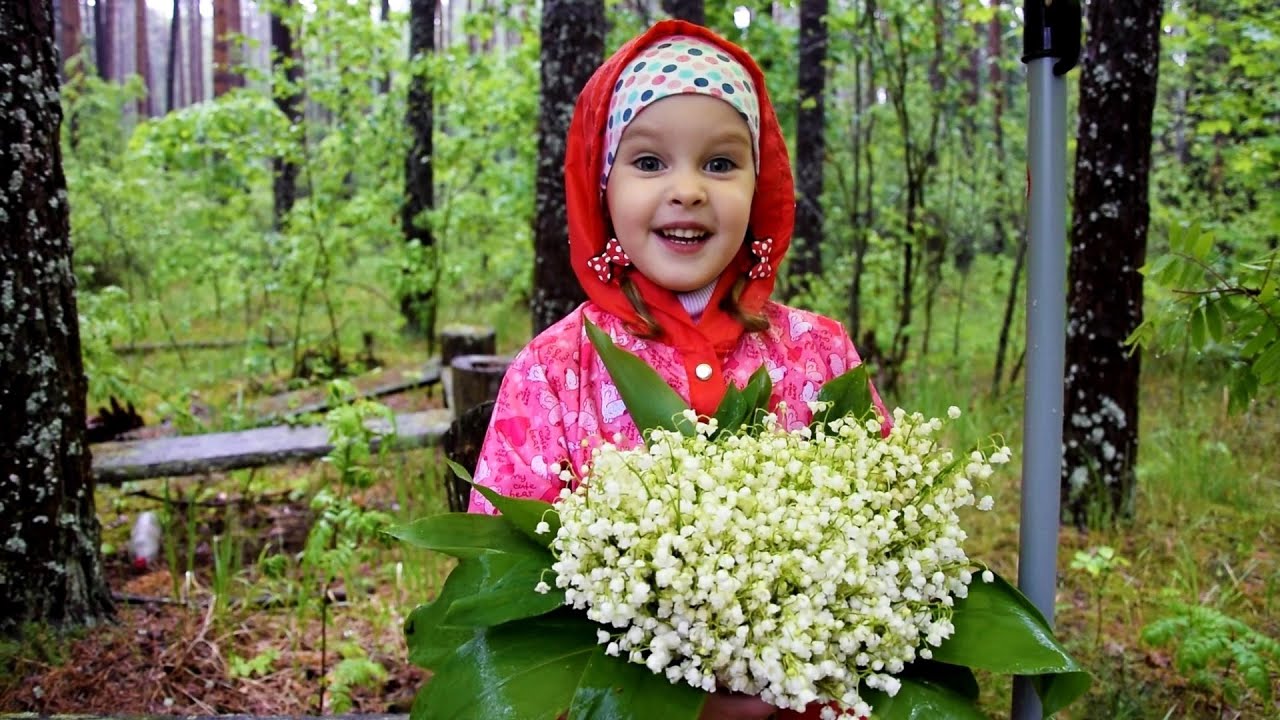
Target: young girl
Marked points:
680	205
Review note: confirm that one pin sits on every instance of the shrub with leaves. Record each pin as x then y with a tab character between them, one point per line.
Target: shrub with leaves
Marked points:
1215	300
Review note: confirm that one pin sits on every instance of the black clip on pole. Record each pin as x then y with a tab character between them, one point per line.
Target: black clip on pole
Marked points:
1053	30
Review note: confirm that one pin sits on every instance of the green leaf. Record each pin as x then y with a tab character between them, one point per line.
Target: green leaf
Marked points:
732	411
955	678
1267	366
744	406
1213	320
757	393
524	514
850	393
467	535
1197	328
998	629
509	596
650	400
612	688
517	671
430	641
922	700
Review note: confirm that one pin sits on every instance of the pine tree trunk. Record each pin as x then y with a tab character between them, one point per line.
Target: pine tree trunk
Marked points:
417	305
70	36
195	55
1108	245
226	50
572	47
289	101
691	10
171	72
806	252
49	533
102	36
142	51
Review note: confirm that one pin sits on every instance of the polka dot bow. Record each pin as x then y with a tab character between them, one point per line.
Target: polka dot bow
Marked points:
603	263
761	249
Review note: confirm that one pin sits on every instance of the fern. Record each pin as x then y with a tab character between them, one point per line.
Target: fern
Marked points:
1218	652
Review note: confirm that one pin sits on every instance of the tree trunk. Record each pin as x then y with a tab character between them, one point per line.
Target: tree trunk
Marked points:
806	252
146	106
691	10
1108	245
195	43
572	48
70	36
49	566
287	69
226	50
418	304
995	30
171	72
102	37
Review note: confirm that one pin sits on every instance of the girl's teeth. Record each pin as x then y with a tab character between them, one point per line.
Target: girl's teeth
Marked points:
682	234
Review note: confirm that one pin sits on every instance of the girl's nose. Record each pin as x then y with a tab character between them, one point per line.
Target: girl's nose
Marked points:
687	189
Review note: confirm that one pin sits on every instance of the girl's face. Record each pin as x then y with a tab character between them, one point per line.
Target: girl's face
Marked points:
680	190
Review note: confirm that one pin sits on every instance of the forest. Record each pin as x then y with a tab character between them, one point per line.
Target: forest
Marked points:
256	216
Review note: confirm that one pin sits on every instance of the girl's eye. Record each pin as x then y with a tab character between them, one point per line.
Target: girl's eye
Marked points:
647	163
720	165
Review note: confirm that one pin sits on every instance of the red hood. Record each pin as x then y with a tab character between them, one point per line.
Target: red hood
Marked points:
772	210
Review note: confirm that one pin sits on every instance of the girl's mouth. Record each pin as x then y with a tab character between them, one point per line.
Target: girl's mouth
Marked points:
684	236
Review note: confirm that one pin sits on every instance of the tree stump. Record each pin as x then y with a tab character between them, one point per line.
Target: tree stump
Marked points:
457	340
476	379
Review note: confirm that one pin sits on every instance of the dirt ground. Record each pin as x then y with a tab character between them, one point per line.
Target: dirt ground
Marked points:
167	658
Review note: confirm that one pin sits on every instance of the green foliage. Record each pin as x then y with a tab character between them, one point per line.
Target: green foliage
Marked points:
355	670
263	663
1218	653
1230	307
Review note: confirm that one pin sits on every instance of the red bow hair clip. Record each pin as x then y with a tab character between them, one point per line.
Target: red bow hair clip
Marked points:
761	249
603	263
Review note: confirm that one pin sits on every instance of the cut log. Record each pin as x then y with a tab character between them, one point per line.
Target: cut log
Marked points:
458	340
117	462
476	378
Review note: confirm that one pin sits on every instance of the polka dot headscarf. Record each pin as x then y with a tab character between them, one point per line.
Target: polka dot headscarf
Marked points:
674	65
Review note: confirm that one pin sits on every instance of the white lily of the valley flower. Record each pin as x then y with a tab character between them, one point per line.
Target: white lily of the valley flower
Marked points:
796	566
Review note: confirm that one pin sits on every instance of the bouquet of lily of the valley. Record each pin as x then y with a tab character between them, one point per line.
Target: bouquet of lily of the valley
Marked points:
823	565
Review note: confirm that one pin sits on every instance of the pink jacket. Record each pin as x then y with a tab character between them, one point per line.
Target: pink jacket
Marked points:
557	400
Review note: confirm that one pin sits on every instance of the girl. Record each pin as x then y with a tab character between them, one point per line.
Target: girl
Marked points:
680	205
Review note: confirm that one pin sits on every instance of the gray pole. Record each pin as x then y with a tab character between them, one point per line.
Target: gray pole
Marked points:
1051	48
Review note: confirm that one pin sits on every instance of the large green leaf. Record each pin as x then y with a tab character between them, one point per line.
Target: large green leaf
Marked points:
509	596
998	629
430	641
517	671
849	393
522	513
922	700
739	407
467	535
650	400
612	688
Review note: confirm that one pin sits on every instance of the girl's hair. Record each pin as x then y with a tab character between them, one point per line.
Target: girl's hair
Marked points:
648	328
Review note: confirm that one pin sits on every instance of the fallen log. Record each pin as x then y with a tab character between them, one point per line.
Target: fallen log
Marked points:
118	462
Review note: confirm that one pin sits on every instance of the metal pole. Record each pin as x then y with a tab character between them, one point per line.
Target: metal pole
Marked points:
1051	45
